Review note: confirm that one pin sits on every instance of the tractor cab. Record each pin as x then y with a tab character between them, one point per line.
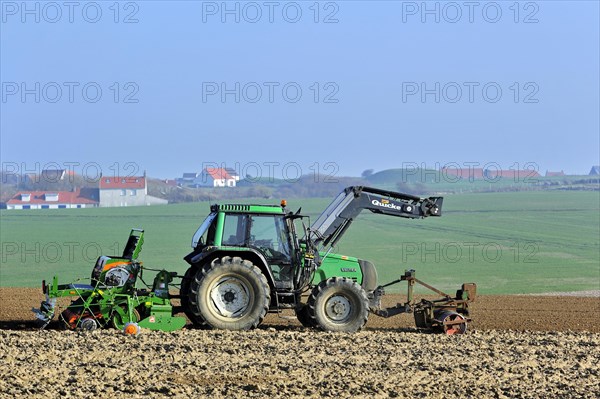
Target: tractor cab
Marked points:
263	230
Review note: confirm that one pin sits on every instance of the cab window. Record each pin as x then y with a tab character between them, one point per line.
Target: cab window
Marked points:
269	234
234	230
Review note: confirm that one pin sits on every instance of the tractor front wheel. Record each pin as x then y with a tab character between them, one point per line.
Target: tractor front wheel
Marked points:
230	293
338	304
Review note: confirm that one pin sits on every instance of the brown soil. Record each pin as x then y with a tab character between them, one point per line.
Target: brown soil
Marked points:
497	358
532	313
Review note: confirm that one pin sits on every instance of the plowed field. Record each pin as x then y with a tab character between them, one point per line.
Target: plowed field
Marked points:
517	346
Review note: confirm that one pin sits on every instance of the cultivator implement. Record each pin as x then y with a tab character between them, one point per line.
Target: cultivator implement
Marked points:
448	314
111	299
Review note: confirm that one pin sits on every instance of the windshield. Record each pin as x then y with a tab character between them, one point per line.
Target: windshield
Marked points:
202	230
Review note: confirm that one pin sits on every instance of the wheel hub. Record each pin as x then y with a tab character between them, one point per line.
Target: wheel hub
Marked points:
338	308
88	324
231	297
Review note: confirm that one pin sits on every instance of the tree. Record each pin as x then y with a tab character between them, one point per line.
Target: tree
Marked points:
366	173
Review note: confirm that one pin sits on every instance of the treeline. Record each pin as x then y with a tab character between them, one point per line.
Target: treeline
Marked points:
304	187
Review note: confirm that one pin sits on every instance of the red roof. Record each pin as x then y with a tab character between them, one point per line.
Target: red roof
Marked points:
219	173
39	197
117	182
513	174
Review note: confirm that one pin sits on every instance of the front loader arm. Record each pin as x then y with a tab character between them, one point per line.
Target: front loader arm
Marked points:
337	217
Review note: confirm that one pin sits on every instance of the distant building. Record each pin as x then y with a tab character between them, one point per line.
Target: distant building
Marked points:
187	179
516	175
554	174
210	177
218	177
125	191
82	198
595	171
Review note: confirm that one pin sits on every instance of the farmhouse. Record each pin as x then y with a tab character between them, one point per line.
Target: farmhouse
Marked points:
125	191
516	175
219	177
210	177
80	198
188	178
554	174
595	171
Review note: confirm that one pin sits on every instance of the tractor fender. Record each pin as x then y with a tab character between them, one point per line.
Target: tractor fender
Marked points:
369	275
208	254
195	256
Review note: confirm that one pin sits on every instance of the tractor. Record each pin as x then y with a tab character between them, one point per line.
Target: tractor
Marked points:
249	260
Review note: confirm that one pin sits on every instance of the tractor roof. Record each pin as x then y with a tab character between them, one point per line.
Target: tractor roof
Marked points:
244	208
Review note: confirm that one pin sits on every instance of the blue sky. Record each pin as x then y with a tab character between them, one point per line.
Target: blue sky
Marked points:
368	85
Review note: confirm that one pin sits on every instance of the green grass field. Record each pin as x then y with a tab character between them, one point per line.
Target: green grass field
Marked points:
509	243
435	181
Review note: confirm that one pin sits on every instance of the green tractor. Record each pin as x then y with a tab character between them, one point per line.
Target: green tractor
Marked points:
248	260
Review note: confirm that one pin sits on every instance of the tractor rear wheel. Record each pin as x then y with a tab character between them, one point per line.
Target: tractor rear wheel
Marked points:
230	293
338	304
185	296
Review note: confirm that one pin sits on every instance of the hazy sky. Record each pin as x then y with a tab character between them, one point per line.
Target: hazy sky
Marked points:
336	87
